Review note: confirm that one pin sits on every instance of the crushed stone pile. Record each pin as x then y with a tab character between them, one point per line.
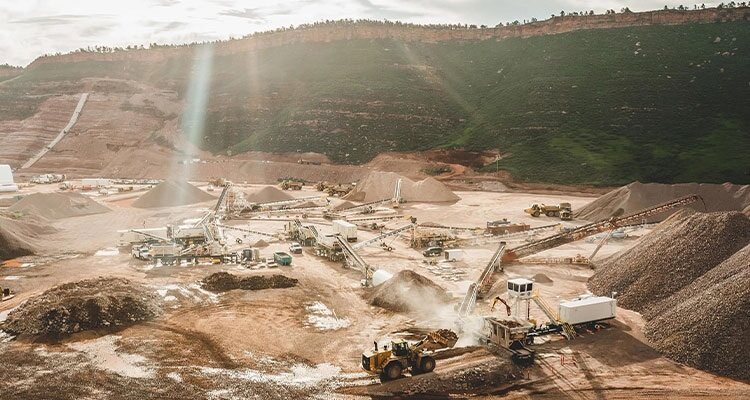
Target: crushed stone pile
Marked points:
83	305
260	243
22	237
58	205
171	194
408	291
267	194
677	252
224	281
541	278
382	185
706	323
342	205
637	196
690	278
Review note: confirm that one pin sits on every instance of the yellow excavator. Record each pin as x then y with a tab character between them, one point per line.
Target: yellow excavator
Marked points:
402	355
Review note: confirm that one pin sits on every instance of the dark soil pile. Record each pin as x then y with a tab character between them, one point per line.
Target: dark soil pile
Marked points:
58	205
171	194
706	324
83	305
671	257
690	278
408	291
637	196
21	237
224	281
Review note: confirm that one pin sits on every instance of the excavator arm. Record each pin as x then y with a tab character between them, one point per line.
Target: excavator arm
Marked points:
507	307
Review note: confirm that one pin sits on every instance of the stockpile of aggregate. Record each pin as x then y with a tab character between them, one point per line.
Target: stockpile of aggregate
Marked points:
637	196
381	185
172	194
690	278
267	194
408	291
224	281
22	237
83	305
57	205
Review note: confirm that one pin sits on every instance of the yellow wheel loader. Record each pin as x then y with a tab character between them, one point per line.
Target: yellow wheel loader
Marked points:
402	356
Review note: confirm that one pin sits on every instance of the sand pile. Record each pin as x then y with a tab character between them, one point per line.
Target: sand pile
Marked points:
224	281
170	194
342	205
260	243
637	196
690	278
83	305
267	195
408	291
21	237
541	278
706	323
58	205
382	185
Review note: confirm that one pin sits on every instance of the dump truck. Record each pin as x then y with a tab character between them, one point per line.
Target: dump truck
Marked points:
291	185
402	356
562	210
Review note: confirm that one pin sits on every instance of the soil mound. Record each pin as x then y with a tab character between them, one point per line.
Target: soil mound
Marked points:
58	205
541	278
267	195
260	243
382	185
224	281
171	194
637	196
716	306
690	278
408	291
83	305
20	238
669	258
343	205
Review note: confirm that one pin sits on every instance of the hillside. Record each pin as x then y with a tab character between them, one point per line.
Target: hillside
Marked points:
663	103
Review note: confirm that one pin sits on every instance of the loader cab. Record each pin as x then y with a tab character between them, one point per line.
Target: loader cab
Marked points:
400	348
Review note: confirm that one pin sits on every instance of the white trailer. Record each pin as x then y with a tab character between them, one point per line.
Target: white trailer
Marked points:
452	255
587	308
6	179
346	229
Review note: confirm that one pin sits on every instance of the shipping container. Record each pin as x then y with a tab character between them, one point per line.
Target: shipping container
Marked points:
346	229
587	308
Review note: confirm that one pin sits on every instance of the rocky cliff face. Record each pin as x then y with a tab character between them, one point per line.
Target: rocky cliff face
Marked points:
335	31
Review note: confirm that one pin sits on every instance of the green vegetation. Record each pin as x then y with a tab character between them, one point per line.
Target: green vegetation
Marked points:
602	107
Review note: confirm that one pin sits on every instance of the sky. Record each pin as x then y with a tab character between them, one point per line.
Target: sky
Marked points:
31	28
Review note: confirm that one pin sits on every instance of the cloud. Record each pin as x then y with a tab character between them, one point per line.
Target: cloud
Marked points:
248	13
61	19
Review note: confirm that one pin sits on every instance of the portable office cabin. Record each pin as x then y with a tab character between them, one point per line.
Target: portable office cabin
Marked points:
6	179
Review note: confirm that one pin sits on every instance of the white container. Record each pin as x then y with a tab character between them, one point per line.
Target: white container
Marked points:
6	179
587	308
380	276
346	229
454	255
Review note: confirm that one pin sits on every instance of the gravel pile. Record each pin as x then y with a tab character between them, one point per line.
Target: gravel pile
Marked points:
408	291
58	205
224	281
171	194
21	237
637	196
706	324
267	194
690	278
83	305
382	185
677	252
